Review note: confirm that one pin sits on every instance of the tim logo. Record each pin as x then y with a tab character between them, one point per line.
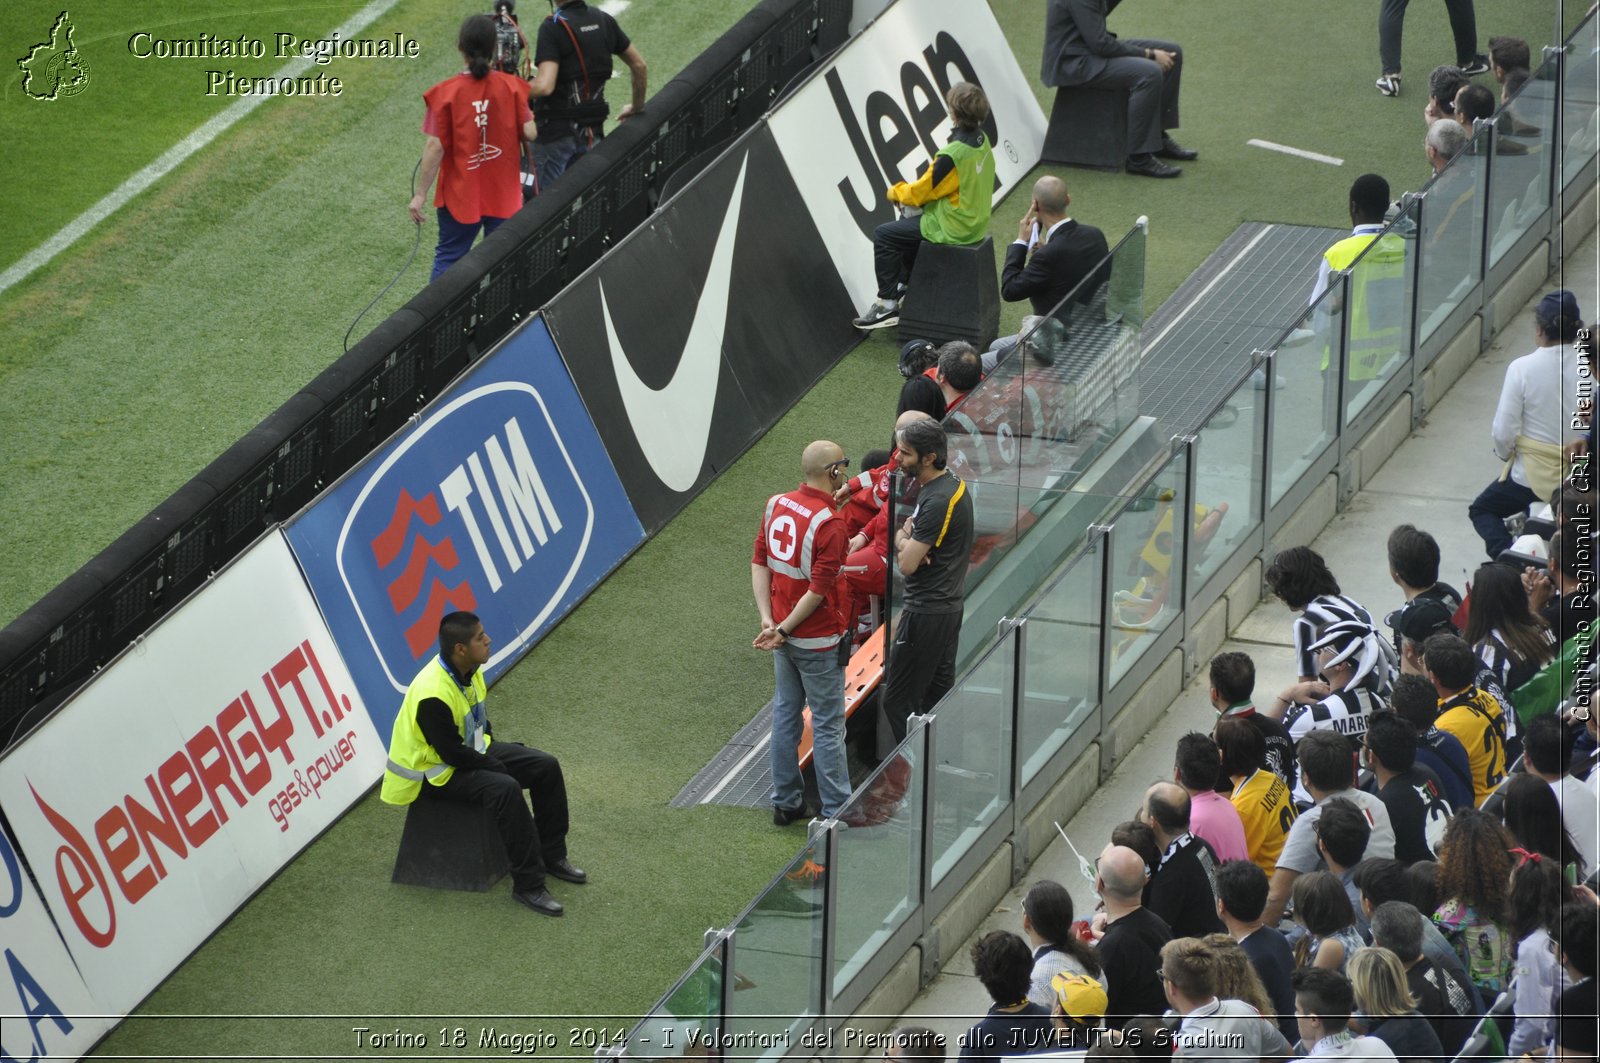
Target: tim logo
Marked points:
480	508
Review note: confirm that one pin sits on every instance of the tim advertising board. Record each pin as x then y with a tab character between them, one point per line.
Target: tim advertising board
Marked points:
876	115
45	1009
500	501
188	773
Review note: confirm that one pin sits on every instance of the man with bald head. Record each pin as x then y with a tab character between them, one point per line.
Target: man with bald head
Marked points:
1130	947
794	574
1052	254
1183	887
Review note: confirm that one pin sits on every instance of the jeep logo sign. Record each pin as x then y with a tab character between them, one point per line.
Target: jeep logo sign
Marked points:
877	114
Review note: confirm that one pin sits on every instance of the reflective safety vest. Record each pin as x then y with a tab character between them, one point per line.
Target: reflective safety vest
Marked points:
964	217
1377	294
411	758
790	549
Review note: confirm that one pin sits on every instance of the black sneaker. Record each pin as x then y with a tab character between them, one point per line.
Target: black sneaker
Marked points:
1479	65
782	817
881	314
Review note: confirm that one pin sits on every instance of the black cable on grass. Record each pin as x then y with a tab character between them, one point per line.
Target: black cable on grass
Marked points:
409	259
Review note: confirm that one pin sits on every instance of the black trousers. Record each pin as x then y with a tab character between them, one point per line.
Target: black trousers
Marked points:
922	666
894	252
529	845
1391	23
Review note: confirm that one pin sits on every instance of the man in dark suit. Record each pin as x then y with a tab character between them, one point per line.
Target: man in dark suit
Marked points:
1050	257
1080	51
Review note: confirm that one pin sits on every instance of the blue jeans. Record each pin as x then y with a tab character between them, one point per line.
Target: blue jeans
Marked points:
1492	506
455	239
815	678
550	160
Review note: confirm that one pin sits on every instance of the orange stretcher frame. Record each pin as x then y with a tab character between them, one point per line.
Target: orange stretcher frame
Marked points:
861	676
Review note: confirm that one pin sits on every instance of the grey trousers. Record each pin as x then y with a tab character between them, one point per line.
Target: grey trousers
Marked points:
1152	95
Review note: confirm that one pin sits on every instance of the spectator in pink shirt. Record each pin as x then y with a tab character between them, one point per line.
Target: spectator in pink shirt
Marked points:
1211	815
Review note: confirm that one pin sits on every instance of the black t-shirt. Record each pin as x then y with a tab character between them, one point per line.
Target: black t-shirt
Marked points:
1576	1011
1273	960
1130	953
1418	810
582	39
1445	1003
1007	1033
943	520
1280	747
1183	890
1437	604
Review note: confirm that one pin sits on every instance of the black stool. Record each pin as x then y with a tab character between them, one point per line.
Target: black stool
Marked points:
449	845
954	294
1088	127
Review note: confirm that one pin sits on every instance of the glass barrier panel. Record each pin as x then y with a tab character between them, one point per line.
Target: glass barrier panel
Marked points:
1306	401
688	1020
879	858
1147	566
1379	309
1580	100
972	757
777	961
1227	479
1061	654
1059	395
1519	170
1452	235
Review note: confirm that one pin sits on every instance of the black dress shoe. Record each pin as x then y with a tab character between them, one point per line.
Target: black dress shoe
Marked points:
1150	166
540	901
1171	149
563	870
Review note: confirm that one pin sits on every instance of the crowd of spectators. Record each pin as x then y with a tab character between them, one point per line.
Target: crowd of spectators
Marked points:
1430	891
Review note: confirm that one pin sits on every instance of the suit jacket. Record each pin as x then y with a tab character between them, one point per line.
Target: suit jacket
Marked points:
1077	43
1055	268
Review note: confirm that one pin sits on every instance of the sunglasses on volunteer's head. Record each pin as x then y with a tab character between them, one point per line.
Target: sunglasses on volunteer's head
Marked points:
841	464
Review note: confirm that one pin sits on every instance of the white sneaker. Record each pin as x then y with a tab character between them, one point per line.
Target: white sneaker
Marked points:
882	314
1258	380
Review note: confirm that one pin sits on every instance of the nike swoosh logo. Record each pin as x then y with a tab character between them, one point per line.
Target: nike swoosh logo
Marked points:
673	425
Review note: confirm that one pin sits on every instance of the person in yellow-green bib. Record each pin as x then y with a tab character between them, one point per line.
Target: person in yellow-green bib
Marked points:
443	748
955	194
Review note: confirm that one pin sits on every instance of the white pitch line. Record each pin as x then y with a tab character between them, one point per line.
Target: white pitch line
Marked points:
614	7
734	771
1223	272
1297	152
172	158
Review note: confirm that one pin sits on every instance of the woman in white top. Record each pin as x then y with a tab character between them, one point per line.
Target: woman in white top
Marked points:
1537	892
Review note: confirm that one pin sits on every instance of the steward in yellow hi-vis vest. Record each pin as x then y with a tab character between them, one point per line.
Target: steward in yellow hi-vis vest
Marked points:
442	748
412	761
1377	285
1377	291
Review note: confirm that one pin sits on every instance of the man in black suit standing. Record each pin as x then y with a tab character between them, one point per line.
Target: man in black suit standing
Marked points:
1080	51
1051	255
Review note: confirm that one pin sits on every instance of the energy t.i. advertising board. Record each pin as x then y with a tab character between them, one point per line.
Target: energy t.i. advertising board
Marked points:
185	775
